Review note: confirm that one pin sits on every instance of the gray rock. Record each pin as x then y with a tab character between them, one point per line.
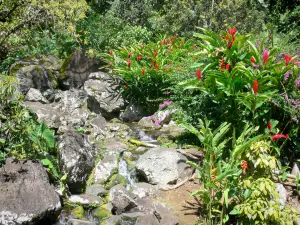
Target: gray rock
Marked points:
85	199
96	190
45	112
121	199
282	195
143	190
80	222
76	158
106	168
70	100
76	70
105	89
295	170
147	122
162	167
125	201
113	220
149	219
132	113
34	95
164	116
117	129
165	214
98	128
26	196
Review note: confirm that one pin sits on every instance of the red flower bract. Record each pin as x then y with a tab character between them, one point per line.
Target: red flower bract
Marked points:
244	166
269	126
265	56
110	52
130	54
227	66
232	31
143	71
199	74
128	63
253	59
287	59
139	58
255	86
156	66
125	87
278	136
155	54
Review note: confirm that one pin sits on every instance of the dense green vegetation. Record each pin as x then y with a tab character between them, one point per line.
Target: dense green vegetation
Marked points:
230	69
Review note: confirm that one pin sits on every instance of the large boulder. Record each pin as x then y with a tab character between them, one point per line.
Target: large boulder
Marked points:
46	113
105	90
76	158
132	113
34	95
161	166
39	73
106	168
76	69
26	196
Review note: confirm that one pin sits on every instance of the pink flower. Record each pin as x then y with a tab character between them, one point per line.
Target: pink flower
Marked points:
232	31
278	136
265	56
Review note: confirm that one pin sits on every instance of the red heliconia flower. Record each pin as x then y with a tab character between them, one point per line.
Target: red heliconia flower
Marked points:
253	59
244	166
265	56
128	63
143	71
111	52
269	126
155	54
232	31
278	136
130	54
125	87
222	64
139	58
287	59
199	74
156	66
227	66
255	86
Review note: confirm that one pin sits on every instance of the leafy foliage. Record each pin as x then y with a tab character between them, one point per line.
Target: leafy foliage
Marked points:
21	135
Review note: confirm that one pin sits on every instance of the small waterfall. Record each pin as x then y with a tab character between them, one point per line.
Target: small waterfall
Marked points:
128	175
143	136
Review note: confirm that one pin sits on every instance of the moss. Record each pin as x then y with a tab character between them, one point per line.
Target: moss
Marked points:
131	165
102	213
78	212
52	78
114	180
62	71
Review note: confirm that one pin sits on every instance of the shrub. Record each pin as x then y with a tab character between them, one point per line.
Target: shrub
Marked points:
21	135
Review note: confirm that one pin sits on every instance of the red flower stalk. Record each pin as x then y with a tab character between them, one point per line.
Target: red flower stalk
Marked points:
128	63
156	66
253	59
125	87
244	166
269	126
227	66
213	176
232	31
229	45
143	71
278	136
199	74
255	86
139	58
130	54
287	59
155	54
265	56
110	52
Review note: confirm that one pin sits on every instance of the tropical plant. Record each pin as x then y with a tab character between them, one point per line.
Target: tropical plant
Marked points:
21	135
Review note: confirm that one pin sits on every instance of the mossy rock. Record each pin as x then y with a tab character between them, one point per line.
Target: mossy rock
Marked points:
63	69
78	212
102	213
114	180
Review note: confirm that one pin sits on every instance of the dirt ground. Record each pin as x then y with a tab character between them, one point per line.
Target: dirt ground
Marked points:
185	206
